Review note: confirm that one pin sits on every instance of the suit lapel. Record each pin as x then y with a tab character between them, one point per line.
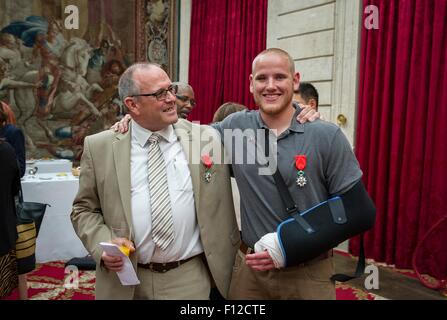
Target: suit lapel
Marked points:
121	155
190	147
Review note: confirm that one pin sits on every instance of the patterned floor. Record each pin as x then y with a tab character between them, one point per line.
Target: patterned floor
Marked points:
52	281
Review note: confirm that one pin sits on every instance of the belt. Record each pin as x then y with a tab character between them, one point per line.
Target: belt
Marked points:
247	250
164	267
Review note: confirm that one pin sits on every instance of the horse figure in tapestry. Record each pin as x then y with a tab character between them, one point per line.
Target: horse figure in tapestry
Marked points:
73	91
74	88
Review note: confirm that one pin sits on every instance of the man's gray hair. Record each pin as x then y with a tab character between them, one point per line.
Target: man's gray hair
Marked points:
127	85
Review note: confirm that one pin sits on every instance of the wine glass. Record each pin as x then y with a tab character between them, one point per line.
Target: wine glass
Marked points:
120	231
32	172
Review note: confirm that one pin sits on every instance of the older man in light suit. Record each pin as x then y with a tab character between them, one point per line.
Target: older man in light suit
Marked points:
115	191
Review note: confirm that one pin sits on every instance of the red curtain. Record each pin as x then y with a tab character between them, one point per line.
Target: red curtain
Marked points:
401	135
225	37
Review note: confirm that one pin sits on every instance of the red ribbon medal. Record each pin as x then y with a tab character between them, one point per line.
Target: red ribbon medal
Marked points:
300	163
208	163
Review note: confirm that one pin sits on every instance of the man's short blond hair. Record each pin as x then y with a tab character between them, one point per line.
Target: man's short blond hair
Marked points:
278	52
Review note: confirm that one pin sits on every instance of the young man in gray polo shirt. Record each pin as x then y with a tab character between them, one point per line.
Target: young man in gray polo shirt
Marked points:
331	168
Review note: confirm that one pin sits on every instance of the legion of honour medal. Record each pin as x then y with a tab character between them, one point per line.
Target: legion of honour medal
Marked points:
208	163
300	163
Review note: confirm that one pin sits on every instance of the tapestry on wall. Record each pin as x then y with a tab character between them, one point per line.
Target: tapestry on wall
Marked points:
62	82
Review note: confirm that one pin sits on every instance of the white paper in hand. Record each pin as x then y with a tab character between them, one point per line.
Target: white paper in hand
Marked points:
127	275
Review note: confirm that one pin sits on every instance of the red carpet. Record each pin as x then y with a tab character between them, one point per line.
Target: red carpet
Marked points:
48	282
346	292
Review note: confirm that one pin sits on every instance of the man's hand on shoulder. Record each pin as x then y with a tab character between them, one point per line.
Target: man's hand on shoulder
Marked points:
123	125
308	114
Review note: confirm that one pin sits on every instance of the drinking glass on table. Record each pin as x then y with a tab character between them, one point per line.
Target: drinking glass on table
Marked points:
32	172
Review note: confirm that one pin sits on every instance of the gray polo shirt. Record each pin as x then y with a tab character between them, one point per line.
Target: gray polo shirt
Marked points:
331	169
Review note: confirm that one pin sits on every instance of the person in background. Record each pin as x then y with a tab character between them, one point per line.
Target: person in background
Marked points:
306	95
13	135
185	101
226	109
9	188
15	138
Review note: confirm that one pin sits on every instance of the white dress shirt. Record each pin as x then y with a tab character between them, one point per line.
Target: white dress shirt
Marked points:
186	230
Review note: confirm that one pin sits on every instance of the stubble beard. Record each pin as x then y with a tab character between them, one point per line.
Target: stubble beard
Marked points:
273	109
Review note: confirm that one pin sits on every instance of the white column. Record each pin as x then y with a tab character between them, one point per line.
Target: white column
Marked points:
185	30
346	64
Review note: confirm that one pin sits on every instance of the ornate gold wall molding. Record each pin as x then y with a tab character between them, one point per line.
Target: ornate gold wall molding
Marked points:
156	33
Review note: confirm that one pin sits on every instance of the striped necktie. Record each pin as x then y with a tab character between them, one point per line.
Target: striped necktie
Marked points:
162	223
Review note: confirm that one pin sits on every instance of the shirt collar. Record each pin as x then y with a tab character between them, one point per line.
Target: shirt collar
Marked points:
260	122
294	124
142	135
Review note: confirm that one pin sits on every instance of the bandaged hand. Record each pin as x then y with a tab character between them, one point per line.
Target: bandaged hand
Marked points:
269	243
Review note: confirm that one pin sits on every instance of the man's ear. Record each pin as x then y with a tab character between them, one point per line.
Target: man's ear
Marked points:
296	81
131	105
251	83
313	103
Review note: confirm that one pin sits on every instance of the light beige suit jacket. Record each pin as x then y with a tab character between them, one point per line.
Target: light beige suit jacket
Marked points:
104	200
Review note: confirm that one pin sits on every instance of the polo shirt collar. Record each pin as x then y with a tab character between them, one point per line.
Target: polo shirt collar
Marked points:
295	126
260	123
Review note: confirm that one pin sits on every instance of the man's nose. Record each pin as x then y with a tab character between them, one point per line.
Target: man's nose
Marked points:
170	97
271	83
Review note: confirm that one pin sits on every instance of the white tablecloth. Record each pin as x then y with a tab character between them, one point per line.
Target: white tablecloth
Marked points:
49	166
57	239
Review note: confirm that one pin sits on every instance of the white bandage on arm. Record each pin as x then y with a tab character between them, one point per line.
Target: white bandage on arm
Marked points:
270	243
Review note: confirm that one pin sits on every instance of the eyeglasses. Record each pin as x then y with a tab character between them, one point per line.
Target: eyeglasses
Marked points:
192	102
160	94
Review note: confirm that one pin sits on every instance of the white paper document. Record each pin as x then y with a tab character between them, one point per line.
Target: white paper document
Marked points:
127	275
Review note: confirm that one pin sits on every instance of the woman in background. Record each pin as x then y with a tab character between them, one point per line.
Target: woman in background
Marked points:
13	135
9	187
226	109
12	139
